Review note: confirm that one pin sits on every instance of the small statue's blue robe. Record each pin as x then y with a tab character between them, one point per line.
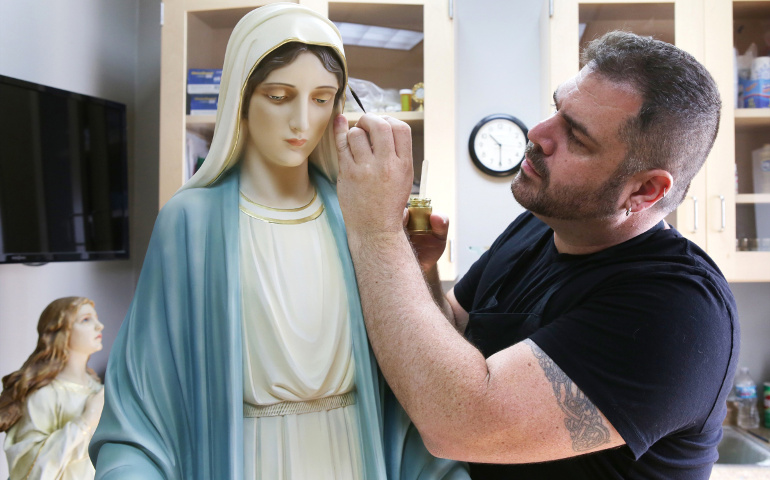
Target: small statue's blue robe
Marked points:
174	381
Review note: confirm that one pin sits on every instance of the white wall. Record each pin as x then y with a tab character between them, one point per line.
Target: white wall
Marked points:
108	49
753	301
498	71
89	47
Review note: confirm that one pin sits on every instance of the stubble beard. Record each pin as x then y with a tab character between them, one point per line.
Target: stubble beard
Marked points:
564	202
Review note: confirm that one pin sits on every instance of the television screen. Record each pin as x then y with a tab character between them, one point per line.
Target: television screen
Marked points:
63	175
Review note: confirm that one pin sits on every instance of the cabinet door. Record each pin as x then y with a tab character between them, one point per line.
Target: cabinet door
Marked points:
571	24
740	239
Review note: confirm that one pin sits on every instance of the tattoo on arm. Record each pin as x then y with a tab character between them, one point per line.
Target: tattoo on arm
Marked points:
583	421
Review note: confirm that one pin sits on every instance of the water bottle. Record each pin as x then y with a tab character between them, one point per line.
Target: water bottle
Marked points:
746	391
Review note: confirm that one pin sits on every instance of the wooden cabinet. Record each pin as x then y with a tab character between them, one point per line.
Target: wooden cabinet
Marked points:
744	23
195	34
720	214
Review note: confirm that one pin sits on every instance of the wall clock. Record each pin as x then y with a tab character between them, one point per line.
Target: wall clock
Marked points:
497	144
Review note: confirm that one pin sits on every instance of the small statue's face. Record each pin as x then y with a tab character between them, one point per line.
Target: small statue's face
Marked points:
289	112
85	333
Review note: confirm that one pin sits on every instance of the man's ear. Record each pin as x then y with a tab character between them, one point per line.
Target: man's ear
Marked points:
653	186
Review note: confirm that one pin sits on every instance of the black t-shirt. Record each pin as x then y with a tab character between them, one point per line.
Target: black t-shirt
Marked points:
647	329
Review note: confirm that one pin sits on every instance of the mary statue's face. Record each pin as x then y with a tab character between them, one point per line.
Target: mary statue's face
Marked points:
289	112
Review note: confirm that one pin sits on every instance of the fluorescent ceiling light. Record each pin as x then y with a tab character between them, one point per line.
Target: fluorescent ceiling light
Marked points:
355	34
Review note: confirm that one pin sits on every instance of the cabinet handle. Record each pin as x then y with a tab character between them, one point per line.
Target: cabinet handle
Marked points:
451	9
694	214
724	213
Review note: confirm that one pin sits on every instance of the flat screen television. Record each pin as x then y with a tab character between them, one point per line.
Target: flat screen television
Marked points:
63	175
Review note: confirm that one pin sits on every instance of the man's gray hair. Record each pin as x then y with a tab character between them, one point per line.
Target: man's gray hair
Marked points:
679	117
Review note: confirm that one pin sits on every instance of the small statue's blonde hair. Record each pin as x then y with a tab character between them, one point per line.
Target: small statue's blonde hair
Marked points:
45	363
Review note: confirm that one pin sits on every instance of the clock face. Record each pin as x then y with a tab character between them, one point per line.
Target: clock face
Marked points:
497	144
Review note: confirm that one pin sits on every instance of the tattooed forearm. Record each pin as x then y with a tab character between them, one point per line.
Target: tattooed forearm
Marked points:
583	421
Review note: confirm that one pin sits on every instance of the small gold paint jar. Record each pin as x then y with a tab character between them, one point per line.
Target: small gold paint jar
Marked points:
419	215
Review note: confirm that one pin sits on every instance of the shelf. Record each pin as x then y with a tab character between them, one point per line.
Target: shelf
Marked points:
749	9
644	18
414	119
750	198
753	266
752	117
391	69
196	120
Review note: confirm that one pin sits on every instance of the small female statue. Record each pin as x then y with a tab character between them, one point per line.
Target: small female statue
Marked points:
50	407
244	353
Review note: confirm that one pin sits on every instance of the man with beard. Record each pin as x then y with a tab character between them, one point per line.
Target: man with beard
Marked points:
592	340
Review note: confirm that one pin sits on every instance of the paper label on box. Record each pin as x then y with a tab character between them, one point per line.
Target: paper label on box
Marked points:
204	75
202	88
203	104
204	80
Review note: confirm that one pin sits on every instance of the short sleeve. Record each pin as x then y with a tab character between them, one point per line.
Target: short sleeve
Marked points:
651	350
465	288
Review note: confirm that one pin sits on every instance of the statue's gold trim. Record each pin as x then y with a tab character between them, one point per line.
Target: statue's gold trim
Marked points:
315	194
279	221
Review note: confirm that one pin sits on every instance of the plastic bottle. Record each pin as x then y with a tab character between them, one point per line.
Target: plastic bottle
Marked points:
760	159
746	391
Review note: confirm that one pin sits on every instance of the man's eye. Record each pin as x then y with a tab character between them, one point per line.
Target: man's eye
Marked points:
573	139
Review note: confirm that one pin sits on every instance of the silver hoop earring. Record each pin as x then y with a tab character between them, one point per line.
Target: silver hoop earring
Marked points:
628	211
664	193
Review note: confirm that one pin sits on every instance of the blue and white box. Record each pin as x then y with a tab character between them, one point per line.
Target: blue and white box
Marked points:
755	93
204	80
203	104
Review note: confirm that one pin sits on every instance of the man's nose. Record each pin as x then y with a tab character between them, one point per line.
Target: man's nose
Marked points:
544	134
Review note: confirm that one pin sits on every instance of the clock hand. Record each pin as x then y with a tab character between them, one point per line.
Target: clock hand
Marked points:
499	150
